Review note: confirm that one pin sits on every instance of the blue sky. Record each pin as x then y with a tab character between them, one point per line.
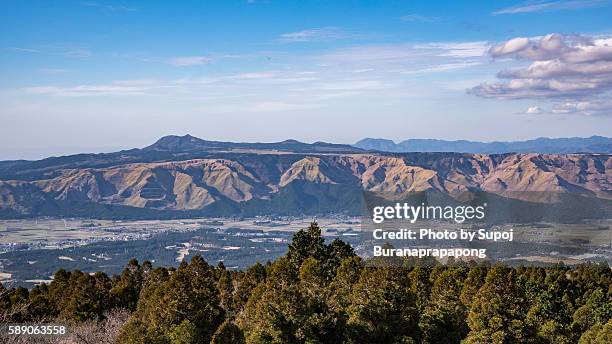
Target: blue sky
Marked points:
90	76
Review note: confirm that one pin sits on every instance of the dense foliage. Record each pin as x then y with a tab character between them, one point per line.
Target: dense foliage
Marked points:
324	293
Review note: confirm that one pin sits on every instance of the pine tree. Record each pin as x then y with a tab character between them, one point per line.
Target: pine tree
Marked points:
383	308
184	306
497	313
306	243
443	319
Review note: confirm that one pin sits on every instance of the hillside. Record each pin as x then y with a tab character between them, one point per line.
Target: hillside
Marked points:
185	179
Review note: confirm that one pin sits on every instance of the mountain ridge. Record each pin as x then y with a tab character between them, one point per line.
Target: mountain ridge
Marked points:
191	143
593	144
298	183
184	176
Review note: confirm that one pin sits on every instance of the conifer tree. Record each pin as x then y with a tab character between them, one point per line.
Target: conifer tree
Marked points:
383	308
497	313
443	319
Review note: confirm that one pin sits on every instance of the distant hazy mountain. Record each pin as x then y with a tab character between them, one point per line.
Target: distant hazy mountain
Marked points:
186	176
593	144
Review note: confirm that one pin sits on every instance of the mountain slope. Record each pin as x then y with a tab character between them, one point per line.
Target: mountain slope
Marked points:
251	183
168	148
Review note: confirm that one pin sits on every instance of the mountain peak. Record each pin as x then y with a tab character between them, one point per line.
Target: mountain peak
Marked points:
175	142
189	143
291	141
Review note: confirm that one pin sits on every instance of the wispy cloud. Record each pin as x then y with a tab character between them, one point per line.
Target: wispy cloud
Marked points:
359	70
54	50
590	107
77	53
363	70
23	50
252	76
458	49
270	78
595	107
545	6
404	52
107	7
313	35
413	17
183	61
115	89
364	54
443	67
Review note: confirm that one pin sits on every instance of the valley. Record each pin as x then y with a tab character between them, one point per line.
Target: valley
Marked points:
32	250
241	202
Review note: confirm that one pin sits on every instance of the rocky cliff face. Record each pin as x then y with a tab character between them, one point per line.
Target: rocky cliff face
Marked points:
198	184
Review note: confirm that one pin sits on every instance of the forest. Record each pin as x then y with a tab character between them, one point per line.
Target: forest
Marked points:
321	292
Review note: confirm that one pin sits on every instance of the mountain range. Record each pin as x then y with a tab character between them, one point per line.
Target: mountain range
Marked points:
183	176
593	144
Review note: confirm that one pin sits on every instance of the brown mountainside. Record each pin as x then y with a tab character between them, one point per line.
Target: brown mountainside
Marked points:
200	183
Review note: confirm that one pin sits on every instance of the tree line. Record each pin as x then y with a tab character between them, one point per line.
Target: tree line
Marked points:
325	293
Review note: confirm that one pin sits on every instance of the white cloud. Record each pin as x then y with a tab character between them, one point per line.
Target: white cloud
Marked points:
561	67
183	61
574	70
115	89
571	48
23	50
443	67
313	35
510	47
77	53
252	76
534	110
589	108
545	6
270	77
405	52
55	50
458	49
245	81
363	70
346	72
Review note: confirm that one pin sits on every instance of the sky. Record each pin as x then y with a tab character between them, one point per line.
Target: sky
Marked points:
99	76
